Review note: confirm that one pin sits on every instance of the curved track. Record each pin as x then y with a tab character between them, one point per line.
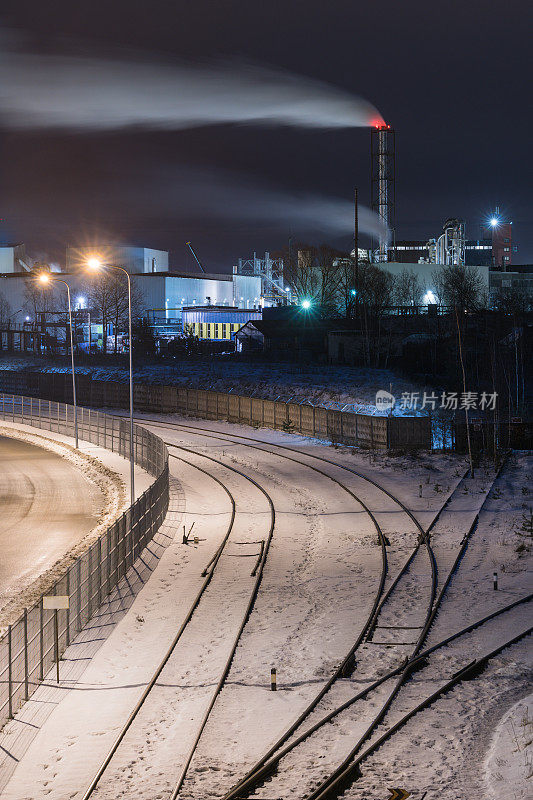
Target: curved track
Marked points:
211	569
347	663
209	573
329	788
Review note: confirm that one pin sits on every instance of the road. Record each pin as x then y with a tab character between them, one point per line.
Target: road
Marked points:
47	505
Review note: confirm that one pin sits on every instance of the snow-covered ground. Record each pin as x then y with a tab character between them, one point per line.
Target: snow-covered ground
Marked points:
319	582
54	513
46	507
509	764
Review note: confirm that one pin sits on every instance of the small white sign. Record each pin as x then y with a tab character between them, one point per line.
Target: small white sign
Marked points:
55	601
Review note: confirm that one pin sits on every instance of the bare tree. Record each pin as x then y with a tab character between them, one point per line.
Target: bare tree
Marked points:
5	310
107	295
459	286
375	294
407	288
40	302
316	273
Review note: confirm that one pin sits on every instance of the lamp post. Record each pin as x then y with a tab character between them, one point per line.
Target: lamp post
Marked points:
44	278
95	264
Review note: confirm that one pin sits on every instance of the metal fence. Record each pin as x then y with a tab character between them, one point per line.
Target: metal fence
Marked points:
335	422
27	649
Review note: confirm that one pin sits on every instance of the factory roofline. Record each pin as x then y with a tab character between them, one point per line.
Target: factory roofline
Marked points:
170	273
219	308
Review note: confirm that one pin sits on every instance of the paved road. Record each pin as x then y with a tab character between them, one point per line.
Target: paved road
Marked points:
46	507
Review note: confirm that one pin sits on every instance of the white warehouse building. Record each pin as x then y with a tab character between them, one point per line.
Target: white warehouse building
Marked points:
163	292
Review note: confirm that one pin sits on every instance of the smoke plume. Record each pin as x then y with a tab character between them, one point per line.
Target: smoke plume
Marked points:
215	193
96	93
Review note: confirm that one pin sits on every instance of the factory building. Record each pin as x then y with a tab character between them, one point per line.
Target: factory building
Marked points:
494	249
134	259
162	292
218	323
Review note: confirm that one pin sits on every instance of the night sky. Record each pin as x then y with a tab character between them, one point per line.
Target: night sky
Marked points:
452	78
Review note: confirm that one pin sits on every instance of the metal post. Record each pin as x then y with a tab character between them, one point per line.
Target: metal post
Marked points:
356	250
26	678
79	592
273	679
132	463
56	642
41	641
99	541
9	672
72	365
68	609
495	581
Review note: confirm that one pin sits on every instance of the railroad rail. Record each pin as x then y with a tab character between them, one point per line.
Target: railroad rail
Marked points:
250	780
414	664
207	580
212	566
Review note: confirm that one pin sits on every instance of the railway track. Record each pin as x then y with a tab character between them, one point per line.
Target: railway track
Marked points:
422	552
209	574
338	781
344	777
269	768
347	664
249	783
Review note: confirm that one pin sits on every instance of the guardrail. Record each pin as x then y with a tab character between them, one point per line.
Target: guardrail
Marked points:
27	648
337	424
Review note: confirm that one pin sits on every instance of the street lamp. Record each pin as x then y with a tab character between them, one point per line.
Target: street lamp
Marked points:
95	264
44	279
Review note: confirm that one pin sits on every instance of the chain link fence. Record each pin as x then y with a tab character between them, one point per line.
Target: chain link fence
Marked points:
27	649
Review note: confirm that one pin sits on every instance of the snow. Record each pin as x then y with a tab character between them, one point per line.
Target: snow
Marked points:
319	582
90	469
509	763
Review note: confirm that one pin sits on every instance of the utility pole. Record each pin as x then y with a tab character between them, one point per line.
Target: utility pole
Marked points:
356	250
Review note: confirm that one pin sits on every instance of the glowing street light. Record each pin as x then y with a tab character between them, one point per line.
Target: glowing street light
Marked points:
45	279
306	304
494	222
95	264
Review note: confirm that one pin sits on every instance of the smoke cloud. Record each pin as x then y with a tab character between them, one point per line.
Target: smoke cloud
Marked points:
92	93
217	194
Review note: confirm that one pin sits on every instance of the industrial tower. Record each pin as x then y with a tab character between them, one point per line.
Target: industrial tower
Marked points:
383	158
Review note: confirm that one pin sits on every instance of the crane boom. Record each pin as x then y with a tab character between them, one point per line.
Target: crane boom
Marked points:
189	245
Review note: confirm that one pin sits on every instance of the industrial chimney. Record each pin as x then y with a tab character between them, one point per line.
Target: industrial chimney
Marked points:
383	156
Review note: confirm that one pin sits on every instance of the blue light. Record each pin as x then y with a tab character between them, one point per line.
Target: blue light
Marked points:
494	221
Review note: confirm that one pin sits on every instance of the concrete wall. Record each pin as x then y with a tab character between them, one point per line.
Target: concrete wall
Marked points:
9	256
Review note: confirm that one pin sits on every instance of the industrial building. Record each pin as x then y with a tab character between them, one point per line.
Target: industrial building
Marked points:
219	323
162	291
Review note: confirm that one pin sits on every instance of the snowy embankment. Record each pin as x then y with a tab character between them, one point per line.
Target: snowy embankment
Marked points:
96	472
509	764
320	385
